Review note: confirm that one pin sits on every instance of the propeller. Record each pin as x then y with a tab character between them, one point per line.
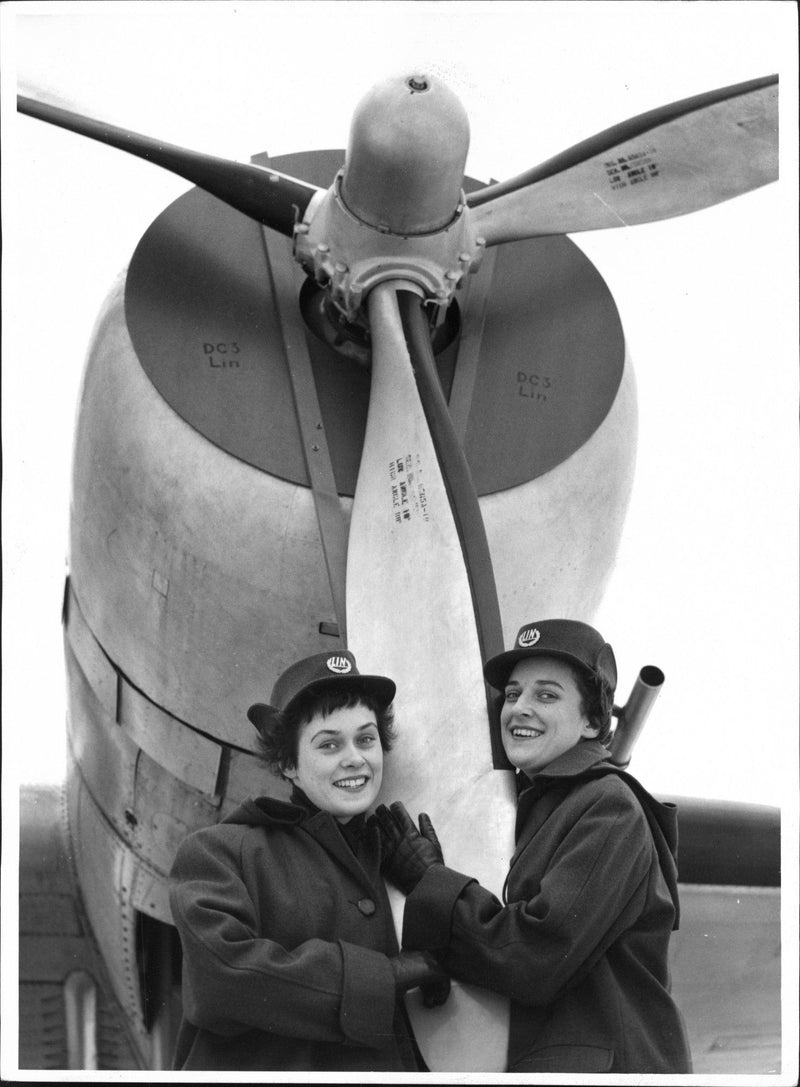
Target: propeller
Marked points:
396	213
670	161
402	178
271	198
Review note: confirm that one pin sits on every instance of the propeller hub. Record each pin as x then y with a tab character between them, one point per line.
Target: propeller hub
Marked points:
406	154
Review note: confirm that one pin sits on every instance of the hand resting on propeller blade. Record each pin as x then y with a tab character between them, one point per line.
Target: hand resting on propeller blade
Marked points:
407	853
420	970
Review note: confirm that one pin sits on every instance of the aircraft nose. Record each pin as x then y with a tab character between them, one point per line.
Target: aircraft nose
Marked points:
405	160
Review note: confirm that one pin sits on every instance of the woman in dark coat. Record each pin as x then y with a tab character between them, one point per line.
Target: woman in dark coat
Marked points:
290	958
580	942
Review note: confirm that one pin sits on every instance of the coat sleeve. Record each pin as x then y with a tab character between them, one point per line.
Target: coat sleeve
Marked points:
593	889
236	980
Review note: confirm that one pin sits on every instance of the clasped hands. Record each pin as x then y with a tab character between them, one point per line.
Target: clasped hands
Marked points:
406	855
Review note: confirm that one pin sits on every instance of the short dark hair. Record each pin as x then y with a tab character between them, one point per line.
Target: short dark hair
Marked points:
277	744
597	701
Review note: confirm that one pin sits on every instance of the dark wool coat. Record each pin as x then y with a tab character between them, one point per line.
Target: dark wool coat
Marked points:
581	947
286	937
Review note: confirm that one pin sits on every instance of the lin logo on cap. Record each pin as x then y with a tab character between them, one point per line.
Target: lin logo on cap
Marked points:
528	638
340	665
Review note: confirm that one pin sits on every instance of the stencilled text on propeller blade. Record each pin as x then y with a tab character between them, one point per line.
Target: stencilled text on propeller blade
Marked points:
409	496
633	168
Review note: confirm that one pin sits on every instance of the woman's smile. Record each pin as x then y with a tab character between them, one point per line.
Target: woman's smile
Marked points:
352	783
519	731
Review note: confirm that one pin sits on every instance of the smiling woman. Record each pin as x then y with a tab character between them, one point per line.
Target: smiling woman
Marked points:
289	896
329	738
579	943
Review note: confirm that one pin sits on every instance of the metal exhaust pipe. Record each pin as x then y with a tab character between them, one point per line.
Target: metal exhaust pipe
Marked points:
632	716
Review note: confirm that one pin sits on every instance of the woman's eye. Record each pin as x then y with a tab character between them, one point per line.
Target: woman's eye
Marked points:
368	740
328	745
512	696
547	696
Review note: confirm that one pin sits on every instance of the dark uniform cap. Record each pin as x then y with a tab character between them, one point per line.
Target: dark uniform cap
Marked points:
336	670
567	639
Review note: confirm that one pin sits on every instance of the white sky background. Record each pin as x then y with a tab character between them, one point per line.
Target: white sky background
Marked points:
706	579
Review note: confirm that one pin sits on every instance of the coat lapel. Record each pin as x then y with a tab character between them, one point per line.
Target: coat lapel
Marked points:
548	788
322	827
543	798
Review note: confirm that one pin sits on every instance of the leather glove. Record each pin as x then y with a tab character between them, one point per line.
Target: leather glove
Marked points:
420	970
407	853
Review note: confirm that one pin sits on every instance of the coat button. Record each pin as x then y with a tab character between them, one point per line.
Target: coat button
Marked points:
366	906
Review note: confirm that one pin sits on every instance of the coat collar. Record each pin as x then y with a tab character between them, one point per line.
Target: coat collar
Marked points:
357	848
556	779
322	826
580	758
266	811
355	831
300	813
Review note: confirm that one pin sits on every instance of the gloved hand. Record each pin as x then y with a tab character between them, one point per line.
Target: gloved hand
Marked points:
407	853
420	970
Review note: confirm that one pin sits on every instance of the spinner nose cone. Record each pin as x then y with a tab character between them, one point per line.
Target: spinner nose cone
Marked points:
408	144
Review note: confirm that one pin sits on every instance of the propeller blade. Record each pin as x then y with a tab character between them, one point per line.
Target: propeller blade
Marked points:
456	476
407	573
276	200
670	161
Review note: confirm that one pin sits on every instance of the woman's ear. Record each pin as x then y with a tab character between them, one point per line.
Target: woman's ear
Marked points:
289	772
590	731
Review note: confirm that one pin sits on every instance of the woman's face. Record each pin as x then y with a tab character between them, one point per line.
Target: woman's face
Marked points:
340	761
542	715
